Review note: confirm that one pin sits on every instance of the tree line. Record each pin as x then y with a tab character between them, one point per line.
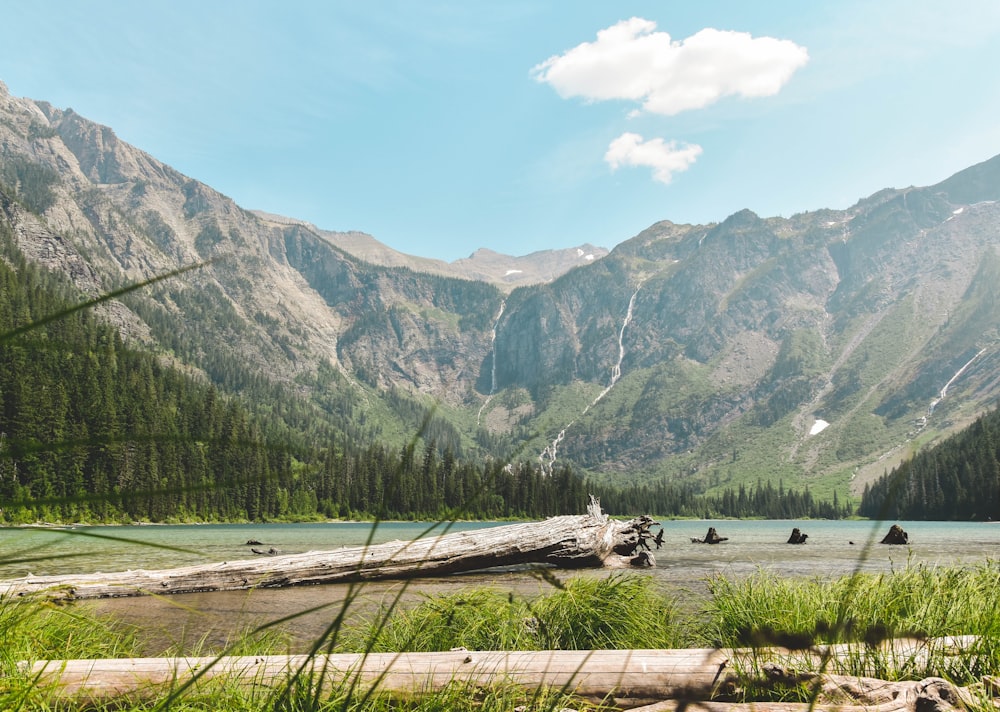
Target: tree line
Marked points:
959	479
669	499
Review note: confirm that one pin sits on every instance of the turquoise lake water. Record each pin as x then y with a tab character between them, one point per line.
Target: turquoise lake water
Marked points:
833	548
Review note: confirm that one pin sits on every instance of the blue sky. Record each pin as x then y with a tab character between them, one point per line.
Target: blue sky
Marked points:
440	127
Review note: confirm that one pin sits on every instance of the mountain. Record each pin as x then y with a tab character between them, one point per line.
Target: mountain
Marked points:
815	350
504	271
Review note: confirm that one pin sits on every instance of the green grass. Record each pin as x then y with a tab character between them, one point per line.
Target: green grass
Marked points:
918	602
586	613
33	631
617	611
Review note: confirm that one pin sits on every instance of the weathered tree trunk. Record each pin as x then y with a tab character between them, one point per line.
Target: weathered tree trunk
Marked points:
627	677
633	676
838	693
587	540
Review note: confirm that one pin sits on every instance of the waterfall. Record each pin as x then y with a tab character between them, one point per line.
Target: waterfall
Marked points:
548	455
616	370
493	357
493	347
547	458
944	389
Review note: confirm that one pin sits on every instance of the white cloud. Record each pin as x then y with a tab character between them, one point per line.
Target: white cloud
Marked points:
665	158
631	61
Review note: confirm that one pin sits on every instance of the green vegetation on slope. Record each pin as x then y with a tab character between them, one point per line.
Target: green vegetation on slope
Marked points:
93	430
958	479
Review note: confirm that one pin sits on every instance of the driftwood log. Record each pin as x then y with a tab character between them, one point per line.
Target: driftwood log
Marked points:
588	540
641	676
626	678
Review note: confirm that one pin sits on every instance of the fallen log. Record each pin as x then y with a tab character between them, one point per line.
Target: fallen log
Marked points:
629	678
588	540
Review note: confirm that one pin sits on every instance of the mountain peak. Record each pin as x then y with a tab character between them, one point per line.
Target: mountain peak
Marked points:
976	184
483	265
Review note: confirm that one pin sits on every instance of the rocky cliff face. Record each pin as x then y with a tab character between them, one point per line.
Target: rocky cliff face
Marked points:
810	349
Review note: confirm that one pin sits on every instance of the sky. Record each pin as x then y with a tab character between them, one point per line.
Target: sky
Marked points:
441	126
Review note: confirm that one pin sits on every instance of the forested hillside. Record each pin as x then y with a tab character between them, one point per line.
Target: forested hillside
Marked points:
956	480
93	430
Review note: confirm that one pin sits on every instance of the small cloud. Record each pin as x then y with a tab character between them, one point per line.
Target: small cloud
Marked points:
631	61
665	158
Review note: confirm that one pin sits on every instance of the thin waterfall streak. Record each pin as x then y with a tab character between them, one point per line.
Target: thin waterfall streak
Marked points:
616	370
551	450
493	347
944	389
493	363
548	456
959	372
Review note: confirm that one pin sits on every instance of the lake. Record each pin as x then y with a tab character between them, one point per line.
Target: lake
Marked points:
833	548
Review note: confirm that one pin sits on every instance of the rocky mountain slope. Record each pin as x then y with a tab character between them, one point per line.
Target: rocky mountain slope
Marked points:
504	271
812	350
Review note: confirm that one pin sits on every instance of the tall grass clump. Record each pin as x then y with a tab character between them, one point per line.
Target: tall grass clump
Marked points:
480	619
918	602
33	630
616	612
584	613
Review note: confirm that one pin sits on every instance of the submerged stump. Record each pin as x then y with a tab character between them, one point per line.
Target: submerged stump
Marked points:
896	536
712	537
797	537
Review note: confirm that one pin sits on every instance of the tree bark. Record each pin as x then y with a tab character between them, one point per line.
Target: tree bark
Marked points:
630	676
837	693
587	540
662	679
